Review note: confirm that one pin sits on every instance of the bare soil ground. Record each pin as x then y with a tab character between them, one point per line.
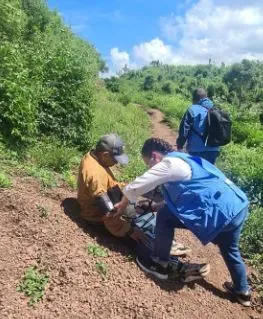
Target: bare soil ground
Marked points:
75	290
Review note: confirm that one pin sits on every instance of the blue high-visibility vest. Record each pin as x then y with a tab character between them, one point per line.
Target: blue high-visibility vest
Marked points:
207	202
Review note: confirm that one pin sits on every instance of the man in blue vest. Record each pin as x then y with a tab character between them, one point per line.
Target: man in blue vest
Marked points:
198	197
193	125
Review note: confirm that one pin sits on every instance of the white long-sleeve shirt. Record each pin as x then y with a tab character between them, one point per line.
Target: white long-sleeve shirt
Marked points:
170	169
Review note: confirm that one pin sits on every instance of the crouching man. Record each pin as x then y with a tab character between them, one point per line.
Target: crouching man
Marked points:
98	188
200	198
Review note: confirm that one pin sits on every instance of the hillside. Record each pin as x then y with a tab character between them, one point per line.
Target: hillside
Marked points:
53	108
57	244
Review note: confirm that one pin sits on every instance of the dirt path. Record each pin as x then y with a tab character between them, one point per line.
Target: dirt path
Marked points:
75	290
159	128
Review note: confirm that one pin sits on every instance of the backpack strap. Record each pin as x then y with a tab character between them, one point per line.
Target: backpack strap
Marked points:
192	127
205	107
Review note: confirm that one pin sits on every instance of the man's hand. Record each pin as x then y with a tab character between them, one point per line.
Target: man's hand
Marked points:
143	206
120	207
179	148
138	235
157	206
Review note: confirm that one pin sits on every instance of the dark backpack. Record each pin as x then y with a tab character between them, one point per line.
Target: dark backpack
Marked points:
218	127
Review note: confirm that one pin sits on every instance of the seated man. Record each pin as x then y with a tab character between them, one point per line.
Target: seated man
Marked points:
96	178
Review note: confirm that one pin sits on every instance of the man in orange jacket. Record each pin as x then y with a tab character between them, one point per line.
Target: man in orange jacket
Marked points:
96	178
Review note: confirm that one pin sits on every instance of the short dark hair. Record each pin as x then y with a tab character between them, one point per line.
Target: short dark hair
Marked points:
199	94
156	144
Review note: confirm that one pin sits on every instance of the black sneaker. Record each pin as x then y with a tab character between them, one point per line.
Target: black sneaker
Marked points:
153	268
243	299
187	272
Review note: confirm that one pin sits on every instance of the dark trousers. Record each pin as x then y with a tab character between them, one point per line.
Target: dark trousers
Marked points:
209	156
227	241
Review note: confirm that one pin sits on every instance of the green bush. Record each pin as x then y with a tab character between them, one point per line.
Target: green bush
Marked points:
249	134
52	155
252	243
112	84
70	179
47	76
148	83
167	87
252	235
125	99
9	159
5	182
242	165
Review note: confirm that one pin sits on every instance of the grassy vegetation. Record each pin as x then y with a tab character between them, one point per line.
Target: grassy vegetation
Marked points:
241	161
47	76
130	122
43	211
237	89
242	164
71	179
54	108
33	285
252	244
51	162
5	181
96	250
102	268
172	106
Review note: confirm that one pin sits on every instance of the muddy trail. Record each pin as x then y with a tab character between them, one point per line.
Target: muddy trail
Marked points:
76	290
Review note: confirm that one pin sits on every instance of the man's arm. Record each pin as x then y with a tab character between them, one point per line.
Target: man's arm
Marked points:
184	129
98	187
168	170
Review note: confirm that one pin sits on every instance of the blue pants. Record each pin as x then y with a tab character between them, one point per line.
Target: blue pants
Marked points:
227	241
209	156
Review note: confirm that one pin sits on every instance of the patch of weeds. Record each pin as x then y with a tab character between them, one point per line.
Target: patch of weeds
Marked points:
43	212
96	250
102	269
129	258
50	154
70	179
5	182
46	178
33	285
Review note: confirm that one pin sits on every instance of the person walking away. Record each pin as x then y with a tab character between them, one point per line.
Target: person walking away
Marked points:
193	126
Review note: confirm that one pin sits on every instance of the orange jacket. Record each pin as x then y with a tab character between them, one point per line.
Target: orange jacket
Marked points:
93	181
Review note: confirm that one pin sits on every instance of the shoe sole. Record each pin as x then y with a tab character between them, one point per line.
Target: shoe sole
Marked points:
202	271
198	274
243	302
191	278
152	272
240	300
205	270
180	252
